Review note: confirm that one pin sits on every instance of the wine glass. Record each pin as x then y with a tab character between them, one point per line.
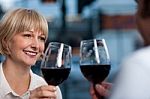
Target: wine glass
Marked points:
56	63
94	60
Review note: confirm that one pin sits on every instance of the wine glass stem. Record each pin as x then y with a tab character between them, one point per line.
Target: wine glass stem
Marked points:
97	94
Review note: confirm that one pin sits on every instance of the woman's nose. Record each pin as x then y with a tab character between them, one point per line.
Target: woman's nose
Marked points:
35	44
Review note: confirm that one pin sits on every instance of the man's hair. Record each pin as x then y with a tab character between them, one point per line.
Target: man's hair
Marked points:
136	1
145	10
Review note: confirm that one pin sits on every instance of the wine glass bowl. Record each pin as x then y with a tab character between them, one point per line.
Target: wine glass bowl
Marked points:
94	60
56	63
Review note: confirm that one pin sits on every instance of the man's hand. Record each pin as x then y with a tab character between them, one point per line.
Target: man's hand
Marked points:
101	89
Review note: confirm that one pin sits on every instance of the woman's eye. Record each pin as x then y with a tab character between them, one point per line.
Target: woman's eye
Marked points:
42	38
27	35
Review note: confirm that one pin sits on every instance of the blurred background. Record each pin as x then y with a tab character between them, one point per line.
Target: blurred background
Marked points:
71	21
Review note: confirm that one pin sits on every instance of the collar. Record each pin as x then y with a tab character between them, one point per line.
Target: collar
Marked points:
32	81
6	89
3	83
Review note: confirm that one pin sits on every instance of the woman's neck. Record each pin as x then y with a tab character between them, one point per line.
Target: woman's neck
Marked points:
17	76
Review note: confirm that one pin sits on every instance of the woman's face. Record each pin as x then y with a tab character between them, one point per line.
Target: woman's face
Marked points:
26	47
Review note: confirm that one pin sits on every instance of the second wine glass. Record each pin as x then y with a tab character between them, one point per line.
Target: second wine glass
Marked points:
56	63
94	60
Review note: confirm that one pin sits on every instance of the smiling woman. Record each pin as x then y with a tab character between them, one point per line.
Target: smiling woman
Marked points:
23	33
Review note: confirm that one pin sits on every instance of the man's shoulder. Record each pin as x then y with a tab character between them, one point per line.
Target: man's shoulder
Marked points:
140	56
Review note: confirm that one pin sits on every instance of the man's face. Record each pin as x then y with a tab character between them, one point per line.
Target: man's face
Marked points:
143	23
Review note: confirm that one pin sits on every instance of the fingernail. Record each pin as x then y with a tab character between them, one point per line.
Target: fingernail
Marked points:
98	86
54	88
55	93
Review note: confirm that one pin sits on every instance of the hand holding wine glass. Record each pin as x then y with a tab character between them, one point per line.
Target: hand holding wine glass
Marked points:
94	60
56	63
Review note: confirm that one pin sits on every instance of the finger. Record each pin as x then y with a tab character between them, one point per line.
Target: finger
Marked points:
44	92
94	97
101	90
106	85
47	87
92	92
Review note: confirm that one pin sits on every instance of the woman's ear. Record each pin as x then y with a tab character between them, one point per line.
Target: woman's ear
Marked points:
5	46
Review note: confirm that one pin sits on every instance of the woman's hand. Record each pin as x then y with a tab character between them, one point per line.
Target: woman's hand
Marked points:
43	92
102	89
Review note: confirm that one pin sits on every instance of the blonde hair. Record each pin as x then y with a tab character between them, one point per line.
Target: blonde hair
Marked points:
20	20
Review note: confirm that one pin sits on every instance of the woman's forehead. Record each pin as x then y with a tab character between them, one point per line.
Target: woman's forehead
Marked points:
39	32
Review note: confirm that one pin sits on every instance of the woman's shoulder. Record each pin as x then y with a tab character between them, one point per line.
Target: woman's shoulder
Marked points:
37	80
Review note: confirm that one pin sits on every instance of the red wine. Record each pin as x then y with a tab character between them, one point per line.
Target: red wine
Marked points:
55	76
95	73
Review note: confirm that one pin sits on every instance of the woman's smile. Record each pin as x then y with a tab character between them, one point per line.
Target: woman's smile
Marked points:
30	53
